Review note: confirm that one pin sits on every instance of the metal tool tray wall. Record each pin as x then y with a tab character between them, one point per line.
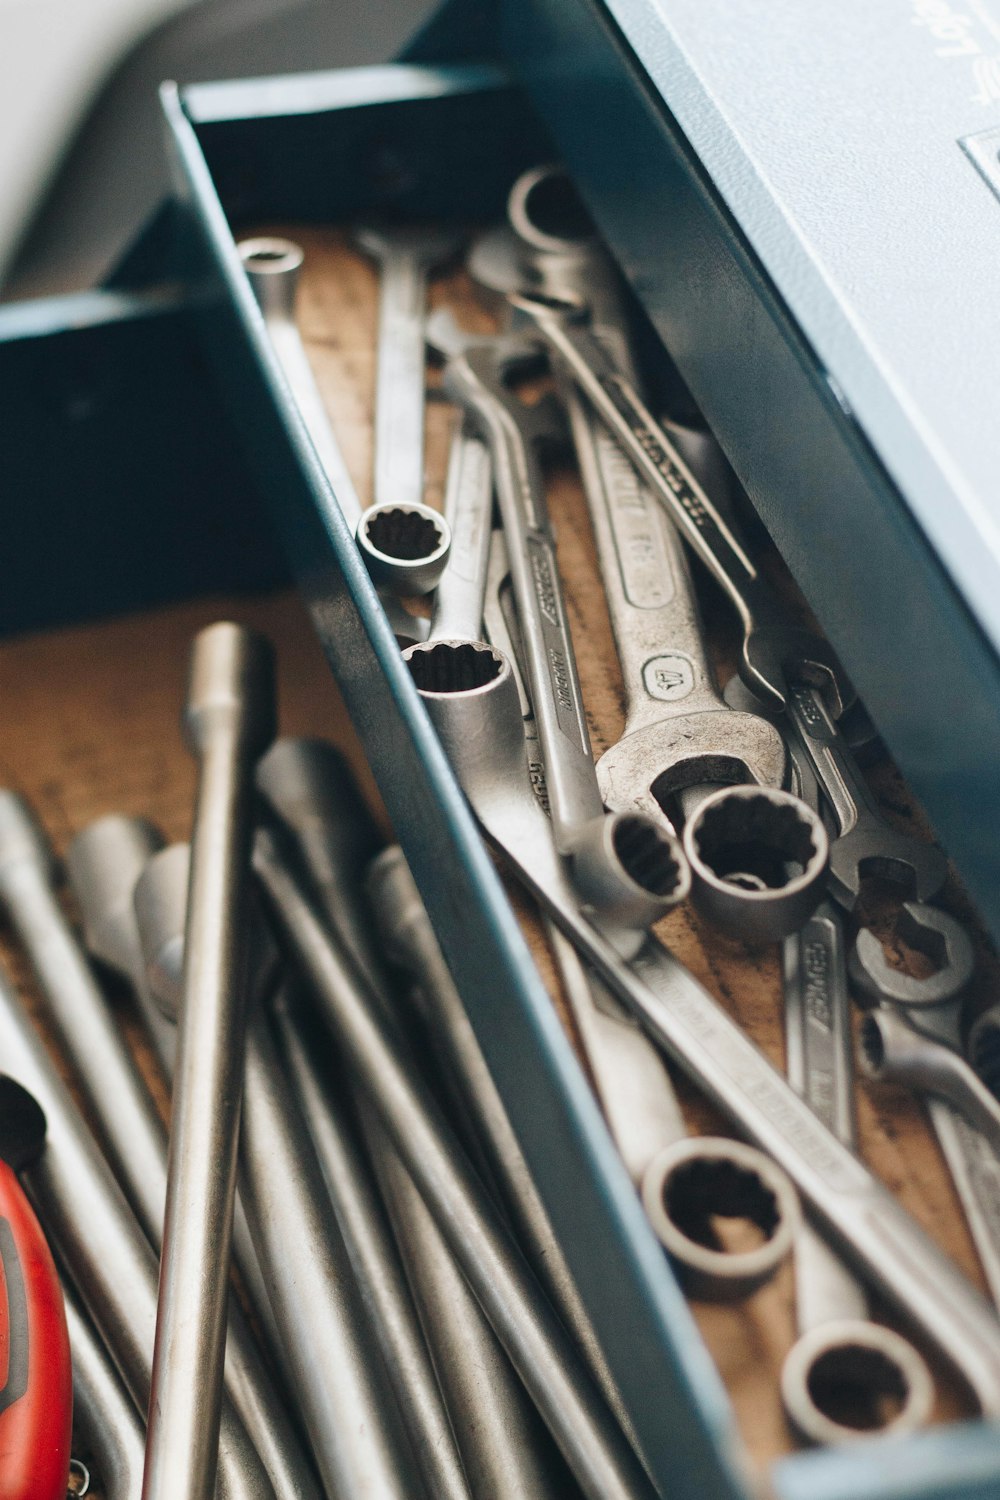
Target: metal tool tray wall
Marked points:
434	142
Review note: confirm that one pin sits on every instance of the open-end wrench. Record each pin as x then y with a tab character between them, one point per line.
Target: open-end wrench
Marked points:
229	720
678	730
478	718
540	1349
406	255
864	843
686	1183
272	268
99	1243
104	1415
933	1005
846	1375
775	652
624	861
323	1333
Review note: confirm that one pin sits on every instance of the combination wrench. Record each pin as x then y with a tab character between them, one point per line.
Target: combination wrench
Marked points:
228	721
679	731
272	268
475	709
620	861
933	1007
774	651
403	527
687	1184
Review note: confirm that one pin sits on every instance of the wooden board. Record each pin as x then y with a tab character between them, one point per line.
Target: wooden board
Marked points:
91	725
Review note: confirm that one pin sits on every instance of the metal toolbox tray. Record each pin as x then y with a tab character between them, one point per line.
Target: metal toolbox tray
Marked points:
437	142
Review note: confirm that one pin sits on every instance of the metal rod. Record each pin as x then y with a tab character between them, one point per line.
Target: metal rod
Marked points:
522	1318
229	720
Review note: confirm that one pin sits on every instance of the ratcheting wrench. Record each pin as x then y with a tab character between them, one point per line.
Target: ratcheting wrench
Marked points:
477	716
620	861
775	652
672	1171
678	730
272	267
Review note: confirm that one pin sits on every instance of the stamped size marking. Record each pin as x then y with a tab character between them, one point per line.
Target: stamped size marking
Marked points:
643	562
669	677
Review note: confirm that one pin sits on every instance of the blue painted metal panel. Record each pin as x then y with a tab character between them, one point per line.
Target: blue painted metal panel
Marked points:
823	469
666	1376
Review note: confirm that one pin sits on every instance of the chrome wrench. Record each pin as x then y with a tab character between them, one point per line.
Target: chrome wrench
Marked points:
774	651
272	268
685	1183
840	1352
481	730
406	256
679	731
620	861
103	1412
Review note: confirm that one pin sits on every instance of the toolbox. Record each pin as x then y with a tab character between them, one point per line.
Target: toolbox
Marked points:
150	450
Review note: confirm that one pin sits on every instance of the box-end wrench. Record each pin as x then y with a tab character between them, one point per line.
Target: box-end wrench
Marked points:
679	731
539	1347
845	1377
272	268
311	792
687	1184
228	720
99	1243
104	1415
933	1005
774	651
620	861
406	255
481	729
322	1332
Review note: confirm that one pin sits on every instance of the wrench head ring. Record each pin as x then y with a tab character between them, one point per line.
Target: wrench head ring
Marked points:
934	933
758	861
629	869
850	1379
546	212
698	1179
405	547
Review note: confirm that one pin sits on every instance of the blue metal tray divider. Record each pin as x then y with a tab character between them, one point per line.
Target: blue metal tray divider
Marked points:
668	1381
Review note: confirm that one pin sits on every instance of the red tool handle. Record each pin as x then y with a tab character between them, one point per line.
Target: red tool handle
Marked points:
36	1382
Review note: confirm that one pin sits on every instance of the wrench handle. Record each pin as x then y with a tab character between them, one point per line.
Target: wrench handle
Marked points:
549	661
656	458
831	759
468	504
399	386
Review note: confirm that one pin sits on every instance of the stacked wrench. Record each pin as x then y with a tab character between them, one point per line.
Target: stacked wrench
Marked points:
470	694
915	1038
675	1173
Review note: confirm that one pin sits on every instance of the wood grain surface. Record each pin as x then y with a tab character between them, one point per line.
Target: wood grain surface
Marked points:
91	725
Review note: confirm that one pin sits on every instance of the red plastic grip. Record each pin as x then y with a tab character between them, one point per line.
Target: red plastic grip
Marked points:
36	1380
